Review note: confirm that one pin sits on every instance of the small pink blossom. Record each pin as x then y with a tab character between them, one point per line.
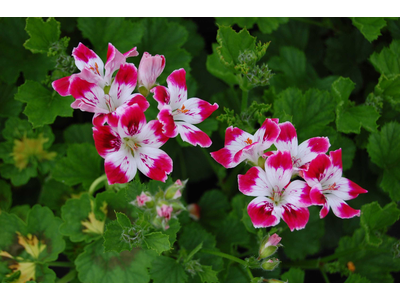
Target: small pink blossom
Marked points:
150	68
165	212
143	198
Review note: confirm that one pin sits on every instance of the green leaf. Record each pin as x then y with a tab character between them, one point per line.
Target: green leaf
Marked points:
113	240
95	265
123	34
81	219
374	218
350	118
167	270
157	241
345	54
373	263
9	107
356	278
294	275
267	25
369	27
310	112
5	196
79	133
299	244
243	22
388	88
384	150
14	58
54	194
42	34
208	275
388	60
213	207
174	227
82	165
218	69
394	28
232	232
43	106
161	36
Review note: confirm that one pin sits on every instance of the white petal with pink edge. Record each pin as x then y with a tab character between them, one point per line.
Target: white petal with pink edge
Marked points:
287	139
87	58
254	183
151	135
194	111
177	88
120	166
154	163
267	133
346	189
161	95
340	208
131	121
193	135
295	217
167	120
309	149
298	194
278	168
106	140
123	84
262	213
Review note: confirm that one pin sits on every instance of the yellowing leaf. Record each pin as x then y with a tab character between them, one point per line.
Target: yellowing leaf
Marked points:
31	244
26	148
27	271
93	225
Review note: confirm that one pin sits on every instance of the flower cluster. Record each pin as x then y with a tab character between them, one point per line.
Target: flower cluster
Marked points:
121	133
163	205
270	179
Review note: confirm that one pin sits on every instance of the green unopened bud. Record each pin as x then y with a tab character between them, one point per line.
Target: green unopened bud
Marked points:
174	191
270	264
269	245
177	205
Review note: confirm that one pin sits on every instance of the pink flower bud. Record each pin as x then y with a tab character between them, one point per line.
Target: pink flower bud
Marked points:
150	68
143	198
165	211
194	211
269	245
270	264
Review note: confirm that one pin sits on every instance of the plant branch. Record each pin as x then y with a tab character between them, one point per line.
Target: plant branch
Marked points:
93	186
68	277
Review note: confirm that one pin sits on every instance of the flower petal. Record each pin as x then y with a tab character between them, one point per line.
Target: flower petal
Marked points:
254	183
89	96
194	111
316	195
123	84
225	157
131	53
161	95
298	194
267	133
177	88
317	170
193	135
278	168
261	212
131	120
62	86
287	139
86	58
309	149
340	208
154	163
295	217
347	189
152	135
150	68
106	140
120	166
167	120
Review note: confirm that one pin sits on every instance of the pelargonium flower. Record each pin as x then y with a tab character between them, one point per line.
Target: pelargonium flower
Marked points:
165	213
133	145
240	145
329	188
277	197
91	97
150	68
178	114
92	67
301	154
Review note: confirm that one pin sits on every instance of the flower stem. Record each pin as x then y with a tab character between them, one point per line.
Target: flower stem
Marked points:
68	277
93	186
65	264
324	275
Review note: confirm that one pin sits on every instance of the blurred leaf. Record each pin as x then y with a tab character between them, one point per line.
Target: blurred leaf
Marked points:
79	133
369	27
388	60
54	194
356	278
9	107
43	106
167	270
294	275
82	165
247	22
42	34
267	25
208	275
157	241
5	196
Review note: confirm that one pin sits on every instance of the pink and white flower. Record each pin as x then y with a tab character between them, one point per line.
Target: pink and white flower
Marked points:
91	97
133	145
305	152
178	114
277	197
92	67
150	68
142	199
329	188
240	145
165	213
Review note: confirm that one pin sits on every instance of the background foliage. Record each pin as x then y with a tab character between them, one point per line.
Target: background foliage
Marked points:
335	77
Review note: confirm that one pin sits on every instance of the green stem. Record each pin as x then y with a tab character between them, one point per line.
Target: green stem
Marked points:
245	95
250	274
324	275
68	277
65	264
93	186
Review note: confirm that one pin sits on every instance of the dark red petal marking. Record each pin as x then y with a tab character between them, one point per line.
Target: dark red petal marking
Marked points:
248	181
115	174
316	196
261	214
178	78
344	211
336	157
167	120
62	86
223	156
295	217
194	136
280	160
132	120
318	144
355	189
83	53
106	140
272	130
161	94
232	134
288	132
317	168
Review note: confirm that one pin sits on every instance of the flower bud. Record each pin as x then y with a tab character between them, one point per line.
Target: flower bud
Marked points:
150	68
270	264
174	191
269	245
143	198
194	211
